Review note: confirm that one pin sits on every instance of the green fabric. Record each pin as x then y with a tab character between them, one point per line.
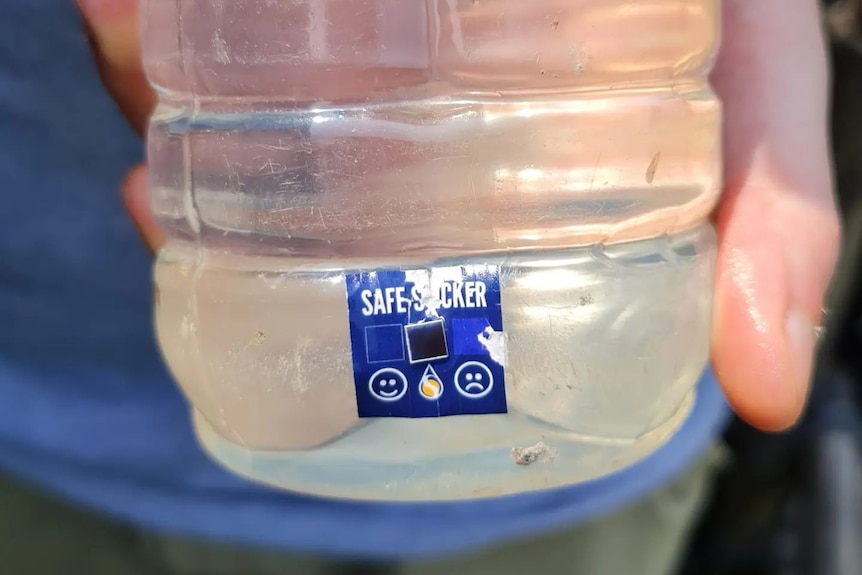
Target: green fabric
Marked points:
42	536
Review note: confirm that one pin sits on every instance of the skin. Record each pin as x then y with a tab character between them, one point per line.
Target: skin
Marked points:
777	221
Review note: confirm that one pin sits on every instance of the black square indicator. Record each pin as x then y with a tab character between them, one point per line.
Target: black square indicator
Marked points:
426	341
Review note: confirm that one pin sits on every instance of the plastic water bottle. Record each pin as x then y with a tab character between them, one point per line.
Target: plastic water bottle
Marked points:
433	249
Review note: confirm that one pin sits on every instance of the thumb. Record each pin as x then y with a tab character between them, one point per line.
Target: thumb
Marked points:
778	224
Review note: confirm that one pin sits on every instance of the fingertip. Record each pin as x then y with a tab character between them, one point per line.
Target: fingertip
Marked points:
752	361
777	254
135	190
760	374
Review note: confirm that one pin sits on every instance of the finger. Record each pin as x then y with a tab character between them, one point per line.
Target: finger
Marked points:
137	200
114	34
777	224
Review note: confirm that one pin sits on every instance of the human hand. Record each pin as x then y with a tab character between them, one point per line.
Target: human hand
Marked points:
777	222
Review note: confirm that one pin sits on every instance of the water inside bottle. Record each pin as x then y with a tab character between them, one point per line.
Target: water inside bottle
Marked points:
573	144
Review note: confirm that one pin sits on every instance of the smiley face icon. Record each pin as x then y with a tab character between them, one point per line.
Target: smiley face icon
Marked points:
388	384
474	380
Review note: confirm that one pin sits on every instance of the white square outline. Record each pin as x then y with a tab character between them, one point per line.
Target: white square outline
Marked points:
403	343
426	359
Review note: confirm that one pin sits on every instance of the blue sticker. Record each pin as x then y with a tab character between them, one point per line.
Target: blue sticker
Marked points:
427	342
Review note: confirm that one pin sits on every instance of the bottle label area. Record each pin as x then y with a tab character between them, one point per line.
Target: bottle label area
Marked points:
427	342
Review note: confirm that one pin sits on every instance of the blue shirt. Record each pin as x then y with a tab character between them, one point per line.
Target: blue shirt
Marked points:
86	407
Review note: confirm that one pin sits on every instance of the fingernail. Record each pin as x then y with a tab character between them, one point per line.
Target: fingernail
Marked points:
801	338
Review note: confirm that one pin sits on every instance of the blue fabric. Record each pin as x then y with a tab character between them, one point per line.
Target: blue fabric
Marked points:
86	408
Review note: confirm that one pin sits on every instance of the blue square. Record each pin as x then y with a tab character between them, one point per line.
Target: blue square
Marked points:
384	343
465	335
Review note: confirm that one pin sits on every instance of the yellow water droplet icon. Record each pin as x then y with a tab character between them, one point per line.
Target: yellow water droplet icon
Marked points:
430	386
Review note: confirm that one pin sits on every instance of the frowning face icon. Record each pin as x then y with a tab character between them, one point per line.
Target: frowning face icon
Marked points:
388	385
474	380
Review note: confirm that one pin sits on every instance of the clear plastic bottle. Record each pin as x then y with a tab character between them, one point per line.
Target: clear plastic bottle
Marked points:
570	146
